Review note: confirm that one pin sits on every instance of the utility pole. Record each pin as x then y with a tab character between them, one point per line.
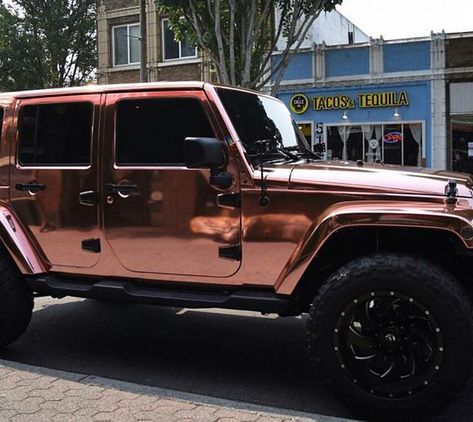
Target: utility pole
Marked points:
143	43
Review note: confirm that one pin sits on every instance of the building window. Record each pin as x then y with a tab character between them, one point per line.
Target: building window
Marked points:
175	49
392	143
55	134
126	44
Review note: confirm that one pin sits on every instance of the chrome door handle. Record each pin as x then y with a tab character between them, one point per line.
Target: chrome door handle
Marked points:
30	187
124	189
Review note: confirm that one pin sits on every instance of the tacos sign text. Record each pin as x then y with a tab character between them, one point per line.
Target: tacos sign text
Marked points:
341	102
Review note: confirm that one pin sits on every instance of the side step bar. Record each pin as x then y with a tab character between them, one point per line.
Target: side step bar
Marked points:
128	291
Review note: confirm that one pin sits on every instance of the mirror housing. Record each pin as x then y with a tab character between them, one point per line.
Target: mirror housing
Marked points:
203	153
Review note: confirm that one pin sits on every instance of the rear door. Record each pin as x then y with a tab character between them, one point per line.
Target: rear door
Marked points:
164	218
56	141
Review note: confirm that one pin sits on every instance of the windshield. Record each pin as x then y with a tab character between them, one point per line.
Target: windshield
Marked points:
259	118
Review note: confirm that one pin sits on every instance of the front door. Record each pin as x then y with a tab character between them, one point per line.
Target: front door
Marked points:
54	164
159	216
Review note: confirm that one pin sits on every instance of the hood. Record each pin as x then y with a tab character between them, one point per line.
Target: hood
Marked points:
369	177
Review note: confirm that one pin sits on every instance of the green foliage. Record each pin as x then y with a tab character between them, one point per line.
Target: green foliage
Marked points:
46	43
237	35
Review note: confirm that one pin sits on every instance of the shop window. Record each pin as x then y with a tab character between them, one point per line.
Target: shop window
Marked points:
306	129
152	132
126	44
392	143
462	143
55	134
175	49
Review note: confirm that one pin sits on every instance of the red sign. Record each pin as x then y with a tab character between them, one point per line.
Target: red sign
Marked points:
393	137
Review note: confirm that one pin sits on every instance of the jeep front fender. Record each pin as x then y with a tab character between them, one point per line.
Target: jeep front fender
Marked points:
19	245
436	216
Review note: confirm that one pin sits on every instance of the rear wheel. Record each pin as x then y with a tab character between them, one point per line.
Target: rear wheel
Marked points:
16	302
393	333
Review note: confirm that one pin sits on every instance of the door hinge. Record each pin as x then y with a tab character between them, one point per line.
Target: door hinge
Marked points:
229	200
91	245
232	252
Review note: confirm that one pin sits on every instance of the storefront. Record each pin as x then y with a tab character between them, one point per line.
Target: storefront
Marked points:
461	126
385	122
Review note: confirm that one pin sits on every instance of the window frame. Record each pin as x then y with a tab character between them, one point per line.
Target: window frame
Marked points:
163	44
128	49
20	165
171	166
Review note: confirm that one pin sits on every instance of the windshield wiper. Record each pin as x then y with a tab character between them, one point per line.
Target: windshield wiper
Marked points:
304	152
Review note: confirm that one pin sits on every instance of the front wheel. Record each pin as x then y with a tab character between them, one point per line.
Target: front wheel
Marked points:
394	334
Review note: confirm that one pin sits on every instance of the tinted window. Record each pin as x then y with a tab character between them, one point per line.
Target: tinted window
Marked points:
55	134
257	117
151	132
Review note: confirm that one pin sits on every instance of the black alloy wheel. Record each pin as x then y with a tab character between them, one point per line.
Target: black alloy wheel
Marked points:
393	334
389	344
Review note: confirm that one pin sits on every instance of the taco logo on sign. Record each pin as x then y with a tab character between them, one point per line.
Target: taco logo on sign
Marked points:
299	104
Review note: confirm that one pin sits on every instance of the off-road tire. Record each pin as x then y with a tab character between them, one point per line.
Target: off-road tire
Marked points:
437	293
16	301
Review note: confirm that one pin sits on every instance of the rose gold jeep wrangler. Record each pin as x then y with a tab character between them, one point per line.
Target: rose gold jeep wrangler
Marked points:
193	195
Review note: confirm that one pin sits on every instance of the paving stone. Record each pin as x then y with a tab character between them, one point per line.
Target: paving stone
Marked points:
42	382
40	416
119	415
17	394
6	414
170	407
236	415
29	405
200	413
66	405
155	416
87	411
4	371
140	403
10	382
53	393
85	392
102	404
27	375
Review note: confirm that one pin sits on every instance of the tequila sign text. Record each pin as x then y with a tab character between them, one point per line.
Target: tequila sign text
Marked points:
341	102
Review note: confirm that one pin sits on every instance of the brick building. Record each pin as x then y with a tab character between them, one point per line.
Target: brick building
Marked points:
118	39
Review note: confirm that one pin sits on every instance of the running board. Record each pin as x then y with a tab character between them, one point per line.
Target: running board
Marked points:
128	291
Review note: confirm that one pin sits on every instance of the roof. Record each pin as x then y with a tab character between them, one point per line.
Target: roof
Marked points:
93	89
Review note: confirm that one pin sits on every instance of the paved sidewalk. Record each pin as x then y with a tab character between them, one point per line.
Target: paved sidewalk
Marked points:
30	393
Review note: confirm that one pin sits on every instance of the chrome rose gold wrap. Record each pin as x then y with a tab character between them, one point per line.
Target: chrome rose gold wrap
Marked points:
54	216
172	228
173	224
22	248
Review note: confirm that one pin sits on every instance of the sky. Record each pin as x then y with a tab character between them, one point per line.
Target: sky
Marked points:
409	18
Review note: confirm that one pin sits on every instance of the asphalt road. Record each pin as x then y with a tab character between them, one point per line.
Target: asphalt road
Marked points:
240	356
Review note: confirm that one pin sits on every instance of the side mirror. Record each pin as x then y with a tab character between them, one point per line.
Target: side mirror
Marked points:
207	153
203	153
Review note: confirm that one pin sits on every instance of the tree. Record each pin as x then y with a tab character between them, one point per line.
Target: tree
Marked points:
46	43
239	36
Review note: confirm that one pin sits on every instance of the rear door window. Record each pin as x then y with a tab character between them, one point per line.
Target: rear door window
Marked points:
58	134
